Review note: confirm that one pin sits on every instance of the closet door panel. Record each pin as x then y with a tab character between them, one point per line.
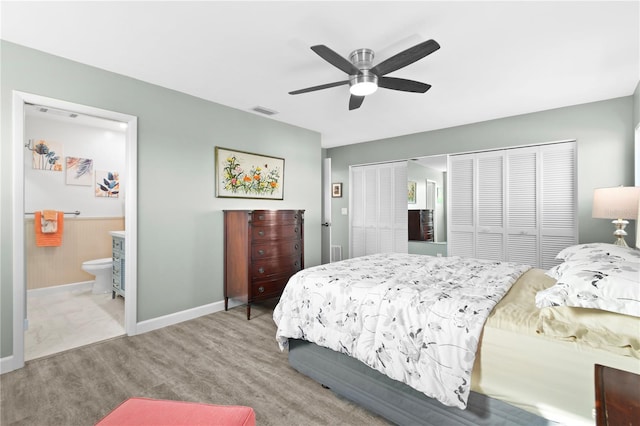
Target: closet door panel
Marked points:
522	206
490	206
558	207
460	211
378	220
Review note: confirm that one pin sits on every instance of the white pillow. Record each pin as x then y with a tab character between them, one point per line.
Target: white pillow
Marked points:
597	251
609	284
591	252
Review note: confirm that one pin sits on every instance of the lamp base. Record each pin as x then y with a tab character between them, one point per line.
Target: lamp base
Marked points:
620	233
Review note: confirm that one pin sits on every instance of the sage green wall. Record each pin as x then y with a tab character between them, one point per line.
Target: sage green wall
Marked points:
179	219
603	131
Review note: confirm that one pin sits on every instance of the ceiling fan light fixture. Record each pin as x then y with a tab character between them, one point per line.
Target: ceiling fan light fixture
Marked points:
363	84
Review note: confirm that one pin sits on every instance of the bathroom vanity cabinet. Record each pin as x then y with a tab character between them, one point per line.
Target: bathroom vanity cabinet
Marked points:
118	264
262	250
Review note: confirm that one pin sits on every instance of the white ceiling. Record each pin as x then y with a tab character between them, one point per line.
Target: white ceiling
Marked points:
497	59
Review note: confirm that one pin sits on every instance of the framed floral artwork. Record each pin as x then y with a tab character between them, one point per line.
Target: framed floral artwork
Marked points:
411	192
241	174
79	171
46	155
107	184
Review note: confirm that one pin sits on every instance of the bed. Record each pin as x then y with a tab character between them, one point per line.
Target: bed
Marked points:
525	354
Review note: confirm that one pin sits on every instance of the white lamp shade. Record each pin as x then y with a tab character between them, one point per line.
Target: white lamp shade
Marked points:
620	202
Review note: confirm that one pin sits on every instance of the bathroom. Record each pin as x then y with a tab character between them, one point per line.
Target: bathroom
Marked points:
72	163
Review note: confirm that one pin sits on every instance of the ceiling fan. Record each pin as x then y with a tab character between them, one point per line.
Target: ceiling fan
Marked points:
364	78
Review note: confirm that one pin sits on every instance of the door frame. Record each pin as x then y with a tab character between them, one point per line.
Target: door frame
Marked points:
326	211
131	197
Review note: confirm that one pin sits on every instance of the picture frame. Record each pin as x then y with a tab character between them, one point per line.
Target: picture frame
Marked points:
336	190
411	192
241	174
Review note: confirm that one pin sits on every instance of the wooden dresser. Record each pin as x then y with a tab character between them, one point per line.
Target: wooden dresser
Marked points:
262	250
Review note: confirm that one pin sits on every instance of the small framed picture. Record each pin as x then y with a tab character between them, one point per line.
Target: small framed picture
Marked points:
411	192
336	190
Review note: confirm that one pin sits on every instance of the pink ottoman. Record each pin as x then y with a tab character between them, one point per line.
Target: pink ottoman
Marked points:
155	412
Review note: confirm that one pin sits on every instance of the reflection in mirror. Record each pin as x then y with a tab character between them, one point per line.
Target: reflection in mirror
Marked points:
427	215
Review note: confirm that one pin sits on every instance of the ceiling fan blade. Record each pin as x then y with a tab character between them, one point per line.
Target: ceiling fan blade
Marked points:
355	102
322	86
403	84
334	59
406	57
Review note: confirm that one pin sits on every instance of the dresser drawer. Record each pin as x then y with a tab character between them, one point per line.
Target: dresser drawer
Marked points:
277	266
280	217
266	233
276	249
265	289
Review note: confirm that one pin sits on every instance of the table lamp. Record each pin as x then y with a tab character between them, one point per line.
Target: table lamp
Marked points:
619	203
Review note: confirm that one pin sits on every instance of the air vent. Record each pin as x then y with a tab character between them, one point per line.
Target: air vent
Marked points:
263	110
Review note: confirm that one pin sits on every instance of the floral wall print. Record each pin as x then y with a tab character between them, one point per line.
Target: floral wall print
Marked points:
107	184
411	192
246	175
47	155
79	171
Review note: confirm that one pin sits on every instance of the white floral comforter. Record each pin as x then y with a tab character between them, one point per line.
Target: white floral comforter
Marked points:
415	318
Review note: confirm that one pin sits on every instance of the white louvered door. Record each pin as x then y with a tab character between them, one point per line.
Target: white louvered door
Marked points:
460	206
522	206
490	236
378	209
559	204
518	205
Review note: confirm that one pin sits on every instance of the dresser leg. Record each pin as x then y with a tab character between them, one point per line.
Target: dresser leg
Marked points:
248	311
226	303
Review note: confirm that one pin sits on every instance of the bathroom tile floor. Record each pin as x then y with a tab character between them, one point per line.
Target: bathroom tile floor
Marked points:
69	319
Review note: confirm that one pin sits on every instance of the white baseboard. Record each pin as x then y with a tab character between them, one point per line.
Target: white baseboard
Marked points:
178	317
7	364
46	291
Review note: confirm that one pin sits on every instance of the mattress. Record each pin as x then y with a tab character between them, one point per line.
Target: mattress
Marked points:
544	375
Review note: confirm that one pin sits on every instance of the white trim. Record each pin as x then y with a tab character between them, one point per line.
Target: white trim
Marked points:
47	291
19	292
186	315
6	364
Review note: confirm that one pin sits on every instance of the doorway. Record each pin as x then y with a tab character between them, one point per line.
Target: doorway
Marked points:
21	101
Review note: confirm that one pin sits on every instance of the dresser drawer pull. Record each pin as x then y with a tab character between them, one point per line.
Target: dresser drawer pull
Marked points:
261	289
295	230
297	247
260	252
261	270
261	233
297	263
261	217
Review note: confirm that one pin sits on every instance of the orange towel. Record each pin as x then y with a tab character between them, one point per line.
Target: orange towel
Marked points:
53	239
50	214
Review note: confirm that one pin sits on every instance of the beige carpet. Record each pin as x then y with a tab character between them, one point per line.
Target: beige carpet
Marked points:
220	359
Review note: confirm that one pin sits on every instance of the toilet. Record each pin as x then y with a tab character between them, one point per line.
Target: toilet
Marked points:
102	269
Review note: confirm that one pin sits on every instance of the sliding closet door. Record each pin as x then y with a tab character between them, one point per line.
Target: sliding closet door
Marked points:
559	201
490	206
522	205
461	207
517	205
378	198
